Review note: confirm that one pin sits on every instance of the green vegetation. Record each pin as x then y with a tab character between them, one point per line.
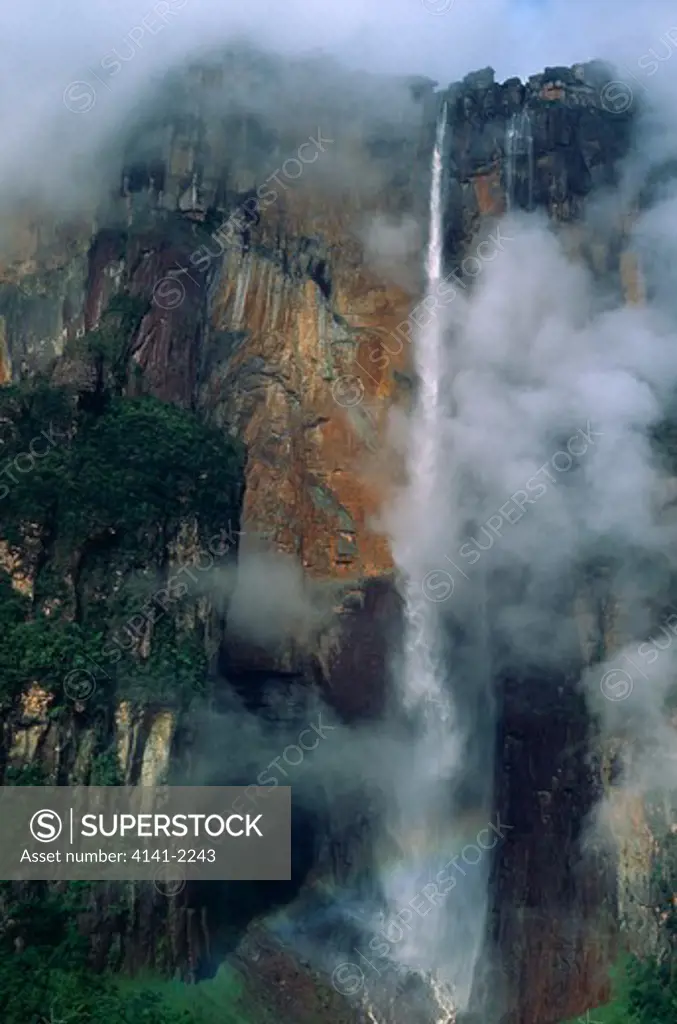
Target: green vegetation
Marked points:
645	988
99	491
643	994
134	471
107	347
45	977
99	495
652	981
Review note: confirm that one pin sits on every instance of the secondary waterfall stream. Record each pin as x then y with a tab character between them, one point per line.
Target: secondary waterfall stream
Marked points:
519	146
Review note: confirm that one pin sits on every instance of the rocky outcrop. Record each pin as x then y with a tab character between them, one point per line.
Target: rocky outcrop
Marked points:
550	145
243	238
562	126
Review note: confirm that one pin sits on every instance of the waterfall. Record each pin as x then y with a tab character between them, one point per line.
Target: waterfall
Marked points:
418	824
423	681
438	800
519	144
421	913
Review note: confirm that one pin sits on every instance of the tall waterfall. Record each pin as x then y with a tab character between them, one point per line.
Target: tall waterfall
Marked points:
519	145
423	684
439	794
418	825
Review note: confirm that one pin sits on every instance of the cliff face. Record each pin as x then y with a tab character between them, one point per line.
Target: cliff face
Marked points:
263	307
246	239
250	315
554	902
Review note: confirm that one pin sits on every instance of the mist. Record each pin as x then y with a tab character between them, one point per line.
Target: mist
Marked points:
268	599
552	385
75	73
556	496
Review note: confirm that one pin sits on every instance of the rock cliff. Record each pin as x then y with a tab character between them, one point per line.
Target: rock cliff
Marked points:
240	268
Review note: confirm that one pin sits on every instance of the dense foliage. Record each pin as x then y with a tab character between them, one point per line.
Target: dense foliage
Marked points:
45	979
96	493
97	489
646	986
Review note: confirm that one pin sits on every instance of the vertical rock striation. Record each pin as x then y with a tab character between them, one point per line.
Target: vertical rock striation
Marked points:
264	309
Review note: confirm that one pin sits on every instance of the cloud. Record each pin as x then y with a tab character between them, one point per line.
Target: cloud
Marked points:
536	489
73	73
269	599
551	386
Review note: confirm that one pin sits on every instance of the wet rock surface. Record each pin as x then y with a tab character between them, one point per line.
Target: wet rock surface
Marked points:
275	325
